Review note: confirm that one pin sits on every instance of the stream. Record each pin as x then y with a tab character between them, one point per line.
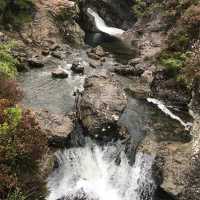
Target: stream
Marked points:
92	172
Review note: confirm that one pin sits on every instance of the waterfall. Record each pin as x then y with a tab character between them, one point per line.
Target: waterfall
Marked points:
164	109
102	27
91	173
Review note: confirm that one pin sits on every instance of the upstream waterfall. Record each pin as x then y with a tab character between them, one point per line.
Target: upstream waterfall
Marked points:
91	173
102	27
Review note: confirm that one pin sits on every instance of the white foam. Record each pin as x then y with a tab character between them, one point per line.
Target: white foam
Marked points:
101	26
93	171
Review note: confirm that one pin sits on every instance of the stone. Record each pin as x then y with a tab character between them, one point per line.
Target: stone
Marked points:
57	127
35	62
60	73
77	67
129	70
102	103
94	64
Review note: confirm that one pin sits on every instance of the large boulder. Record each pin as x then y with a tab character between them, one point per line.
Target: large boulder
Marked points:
65	13
102	103
57	127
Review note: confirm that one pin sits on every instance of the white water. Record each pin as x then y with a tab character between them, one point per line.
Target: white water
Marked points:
91	173
164	109
101	26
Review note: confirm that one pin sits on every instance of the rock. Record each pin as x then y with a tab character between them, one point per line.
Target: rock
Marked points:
134	61
35	62
129	70
77	67
139	89
57	54
195	101
45	52
93	56
60	73
99	51
54	47
101	105
170	164
94	64
68	26
170	90
3	37
57	127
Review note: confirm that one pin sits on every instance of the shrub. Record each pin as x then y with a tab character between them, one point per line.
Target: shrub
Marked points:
16	13
20	151
7	61
173	62
179	41
9	89
12	118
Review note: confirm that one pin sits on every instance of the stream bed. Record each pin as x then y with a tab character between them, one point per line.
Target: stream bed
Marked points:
91	172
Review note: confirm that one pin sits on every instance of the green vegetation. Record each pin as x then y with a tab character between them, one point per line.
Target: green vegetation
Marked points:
12	119
22	142
7	61
173	62
15	13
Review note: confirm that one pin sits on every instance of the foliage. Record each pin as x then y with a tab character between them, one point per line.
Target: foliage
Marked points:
19	152
191	19
179	41
7	61
16	195
172	61
12	118
144	8
16	13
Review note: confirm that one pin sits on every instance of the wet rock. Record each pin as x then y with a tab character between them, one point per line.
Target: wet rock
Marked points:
134	61
77	67
170	90
57	127
45	52
55	47
60	73
35	62
136	70
171	162
57	54
68	26
195	101
101	105
95	64
139	89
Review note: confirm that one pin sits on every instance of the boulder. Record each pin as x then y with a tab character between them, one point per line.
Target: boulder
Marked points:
35	62
57	127
102	103
60	73
132	70
77	67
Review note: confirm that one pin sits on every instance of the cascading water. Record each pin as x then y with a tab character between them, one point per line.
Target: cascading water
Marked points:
91	173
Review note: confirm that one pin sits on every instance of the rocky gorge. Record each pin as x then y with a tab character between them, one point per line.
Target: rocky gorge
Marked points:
119	119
